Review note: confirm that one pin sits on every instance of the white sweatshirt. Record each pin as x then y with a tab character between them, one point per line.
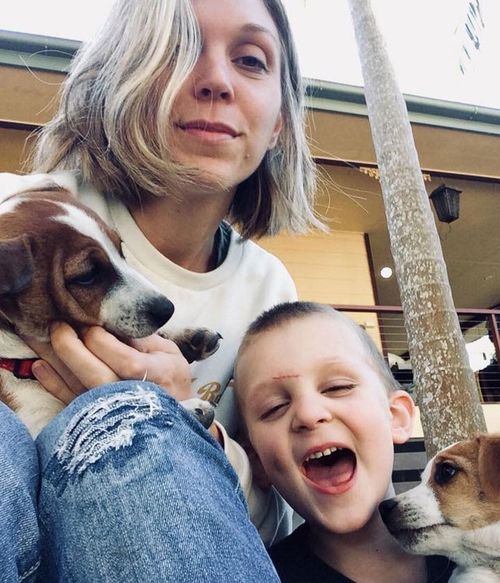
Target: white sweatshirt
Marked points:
227	299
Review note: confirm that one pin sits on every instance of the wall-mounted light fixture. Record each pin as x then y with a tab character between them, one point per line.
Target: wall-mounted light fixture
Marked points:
446	201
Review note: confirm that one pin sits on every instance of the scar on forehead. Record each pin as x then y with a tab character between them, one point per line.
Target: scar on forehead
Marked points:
280	377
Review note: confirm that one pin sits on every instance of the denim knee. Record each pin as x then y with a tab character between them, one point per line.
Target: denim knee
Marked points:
110	423
138	479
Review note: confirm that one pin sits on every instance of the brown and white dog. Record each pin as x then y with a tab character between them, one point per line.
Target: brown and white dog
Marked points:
455	511
60	261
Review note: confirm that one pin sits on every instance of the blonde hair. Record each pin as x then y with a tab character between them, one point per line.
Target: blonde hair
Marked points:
113	123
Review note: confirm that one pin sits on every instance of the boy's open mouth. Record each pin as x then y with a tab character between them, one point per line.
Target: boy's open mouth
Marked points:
330	468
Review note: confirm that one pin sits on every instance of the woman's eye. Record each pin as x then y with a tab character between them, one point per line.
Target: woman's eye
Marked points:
87	277
251	62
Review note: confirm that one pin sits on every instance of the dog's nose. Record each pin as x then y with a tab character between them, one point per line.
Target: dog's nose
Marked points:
160	310
386	507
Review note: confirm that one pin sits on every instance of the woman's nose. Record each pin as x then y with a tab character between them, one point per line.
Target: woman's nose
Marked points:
310	413
212	79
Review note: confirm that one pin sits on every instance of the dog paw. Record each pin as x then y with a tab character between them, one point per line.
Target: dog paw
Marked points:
203	410
197	344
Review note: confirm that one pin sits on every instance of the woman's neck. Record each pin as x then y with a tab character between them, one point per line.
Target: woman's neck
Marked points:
183	230
368	556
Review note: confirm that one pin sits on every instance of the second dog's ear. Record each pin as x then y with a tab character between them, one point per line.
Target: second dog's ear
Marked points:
489	465
16	265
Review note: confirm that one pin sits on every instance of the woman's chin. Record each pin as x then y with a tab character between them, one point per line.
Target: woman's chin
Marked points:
209	180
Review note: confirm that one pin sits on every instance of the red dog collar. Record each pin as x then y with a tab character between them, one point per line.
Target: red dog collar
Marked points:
19	367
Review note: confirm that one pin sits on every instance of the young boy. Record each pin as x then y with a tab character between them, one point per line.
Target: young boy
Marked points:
322	412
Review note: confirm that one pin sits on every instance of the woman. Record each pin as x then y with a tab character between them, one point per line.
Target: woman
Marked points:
177	116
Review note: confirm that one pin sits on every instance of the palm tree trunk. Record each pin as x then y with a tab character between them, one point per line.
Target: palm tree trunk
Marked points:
446	390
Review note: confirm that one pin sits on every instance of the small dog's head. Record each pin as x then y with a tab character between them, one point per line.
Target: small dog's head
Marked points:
456	506
59	261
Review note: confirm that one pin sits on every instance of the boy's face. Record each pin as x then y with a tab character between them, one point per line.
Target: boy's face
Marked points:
307	388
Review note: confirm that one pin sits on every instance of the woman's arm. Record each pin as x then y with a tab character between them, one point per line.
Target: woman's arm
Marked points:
72	364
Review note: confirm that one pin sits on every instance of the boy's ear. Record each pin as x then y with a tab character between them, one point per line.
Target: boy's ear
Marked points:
402	413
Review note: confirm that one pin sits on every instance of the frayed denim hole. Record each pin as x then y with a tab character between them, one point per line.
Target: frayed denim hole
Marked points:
109	424
30	572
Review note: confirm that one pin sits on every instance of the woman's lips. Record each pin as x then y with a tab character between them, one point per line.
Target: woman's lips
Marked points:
208	129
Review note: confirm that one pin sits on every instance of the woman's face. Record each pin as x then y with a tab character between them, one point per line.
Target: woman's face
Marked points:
228	112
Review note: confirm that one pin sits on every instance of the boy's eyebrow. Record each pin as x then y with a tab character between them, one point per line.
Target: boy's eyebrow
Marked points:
273	381
262	386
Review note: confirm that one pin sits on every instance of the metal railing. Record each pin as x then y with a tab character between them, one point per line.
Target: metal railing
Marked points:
480	328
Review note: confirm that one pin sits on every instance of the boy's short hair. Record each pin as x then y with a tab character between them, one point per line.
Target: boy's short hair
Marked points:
289	311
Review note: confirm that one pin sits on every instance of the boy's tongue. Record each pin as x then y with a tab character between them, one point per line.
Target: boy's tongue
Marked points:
332	470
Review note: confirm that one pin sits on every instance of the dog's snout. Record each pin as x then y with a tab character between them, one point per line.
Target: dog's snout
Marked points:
160	310
386	507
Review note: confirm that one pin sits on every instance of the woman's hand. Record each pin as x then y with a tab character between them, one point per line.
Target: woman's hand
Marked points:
72	364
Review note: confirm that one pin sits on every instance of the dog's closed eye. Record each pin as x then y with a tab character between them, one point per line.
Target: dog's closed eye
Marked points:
87	277
88	268
444	473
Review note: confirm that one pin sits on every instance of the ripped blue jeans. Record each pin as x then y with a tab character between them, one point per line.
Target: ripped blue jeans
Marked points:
130	488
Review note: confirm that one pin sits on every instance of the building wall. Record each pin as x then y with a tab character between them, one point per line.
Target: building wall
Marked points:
327	267
27	98
332	268
13	149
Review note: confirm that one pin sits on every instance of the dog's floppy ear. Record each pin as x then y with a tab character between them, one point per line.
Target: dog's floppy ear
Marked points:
489	465
16	265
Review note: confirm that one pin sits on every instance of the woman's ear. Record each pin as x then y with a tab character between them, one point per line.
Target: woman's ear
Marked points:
276	132
402	410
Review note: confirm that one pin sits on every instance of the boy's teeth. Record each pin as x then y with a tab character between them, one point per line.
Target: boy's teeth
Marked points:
318	454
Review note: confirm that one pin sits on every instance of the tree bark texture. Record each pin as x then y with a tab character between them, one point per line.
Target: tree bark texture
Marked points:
445	386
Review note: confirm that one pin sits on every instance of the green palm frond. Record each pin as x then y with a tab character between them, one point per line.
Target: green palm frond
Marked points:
473	27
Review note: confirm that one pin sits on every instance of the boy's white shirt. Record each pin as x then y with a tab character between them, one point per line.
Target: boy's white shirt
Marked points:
249	281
